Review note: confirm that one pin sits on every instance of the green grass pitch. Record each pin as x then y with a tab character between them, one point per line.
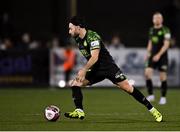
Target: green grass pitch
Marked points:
106	109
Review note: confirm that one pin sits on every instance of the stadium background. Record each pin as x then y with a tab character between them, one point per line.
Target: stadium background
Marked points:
130	18
46	21
30	72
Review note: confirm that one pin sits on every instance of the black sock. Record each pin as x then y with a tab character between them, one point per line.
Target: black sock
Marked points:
77	97
141	98
163	88
149	86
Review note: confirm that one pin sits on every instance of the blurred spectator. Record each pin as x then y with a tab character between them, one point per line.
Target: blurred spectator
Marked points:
116	42
71	41
54	42
69	62
27	43
70	58
6	26
6	44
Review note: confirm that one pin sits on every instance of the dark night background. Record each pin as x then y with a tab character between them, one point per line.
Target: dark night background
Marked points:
131	19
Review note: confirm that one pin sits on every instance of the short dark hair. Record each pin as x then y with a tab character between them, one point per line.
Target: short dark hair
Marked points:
78	21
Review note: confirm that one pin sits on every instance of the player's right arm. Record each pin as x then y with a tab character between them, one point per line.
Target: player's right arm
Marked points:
149	45
149	49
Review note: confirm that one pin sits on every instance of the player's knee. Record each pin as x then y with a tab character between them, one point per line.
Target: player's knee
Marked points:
125	86
163	78
147	75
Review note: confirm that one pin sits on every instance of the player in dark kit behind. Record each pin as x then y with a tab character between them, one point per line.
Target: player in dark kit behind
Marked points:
157	56
100	65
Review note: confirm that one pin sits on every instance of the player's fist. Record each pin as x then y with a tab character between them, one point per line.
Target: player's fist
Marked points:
156	58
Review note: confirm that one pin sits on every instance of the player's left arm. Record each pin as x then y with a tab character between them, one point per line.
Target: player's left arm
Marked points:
164	48
82	73
93	59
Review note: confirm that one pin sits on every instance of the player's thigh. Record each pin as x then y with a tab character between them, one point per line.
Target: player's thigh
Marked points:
163	64
163	75
95	76
119	79
115	75
148	72
163	67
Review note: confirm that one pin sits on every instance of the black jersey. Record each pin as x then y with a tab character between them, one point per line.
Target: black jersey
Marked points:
93	41
157	37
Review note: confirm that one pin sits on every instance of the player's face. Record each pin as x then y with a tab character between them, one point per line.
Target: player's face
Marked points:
157	19
73	30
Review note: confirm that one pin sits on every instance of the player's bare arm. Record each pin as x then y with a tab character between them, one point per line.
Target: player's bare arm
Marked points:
149	48
94	58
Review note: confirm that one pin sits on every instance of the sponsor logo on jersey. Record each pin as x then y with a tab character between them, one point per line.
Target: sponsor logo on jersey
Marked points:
155	39
160	33
120	75
94	43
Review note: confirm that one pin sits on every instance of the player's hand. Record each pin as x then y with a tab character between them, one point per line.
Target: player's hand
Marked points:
156	58
74	82
81	75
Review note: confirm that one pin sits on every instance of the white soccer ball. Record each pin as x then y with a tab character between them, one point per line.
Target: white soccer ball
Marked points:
52	113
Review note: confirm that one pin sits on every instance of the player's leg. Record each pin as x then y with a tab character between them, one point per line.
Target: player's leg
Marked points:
92	77
77	93
149	84
140	98
163	67
118	78
77	96
124	85
163	78
67	76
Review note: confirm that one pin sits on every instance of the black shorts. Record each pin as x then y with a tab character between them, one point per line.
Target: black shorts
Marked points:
161	65
112	72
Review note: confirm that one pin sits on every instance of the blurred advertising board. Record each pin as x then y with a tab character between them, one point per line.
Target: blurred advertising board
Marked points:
130	60
24	68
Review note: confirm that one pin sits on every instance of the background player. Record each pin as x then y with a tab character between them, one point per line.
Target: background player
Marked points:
157	56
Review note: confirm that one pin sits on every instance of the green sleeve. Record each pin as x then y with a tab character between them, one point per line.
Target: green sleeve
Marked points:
94	41
167	33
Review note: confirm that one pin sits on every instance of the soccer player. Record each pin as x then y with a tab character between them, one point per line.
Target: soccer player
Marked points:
100	65
157	56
